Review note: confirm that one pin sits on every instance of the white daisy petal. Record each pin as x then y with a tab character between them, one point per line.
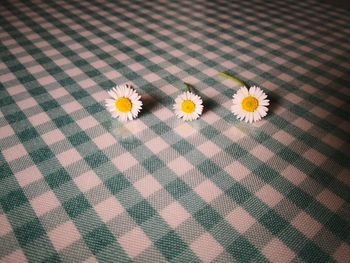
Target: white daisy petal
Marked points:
109	101
265	103
243	91
252	90
192	114
259	94
124	91
129	115
250	117
112	94
114	114
123	117
251	112
256	116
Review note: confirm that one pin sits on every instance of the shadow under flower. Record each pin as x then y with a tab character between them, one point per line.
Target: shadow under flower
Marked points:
149	102
209	104
273	102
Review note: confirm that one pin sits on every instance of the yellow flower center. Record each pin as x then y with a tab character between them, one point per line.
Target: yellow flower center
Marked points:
123	104
188	106
250	104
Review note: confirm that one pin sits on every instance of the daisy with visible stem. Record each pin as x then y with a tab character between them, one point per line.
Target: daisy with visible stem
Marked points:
125	103
188	106
249	104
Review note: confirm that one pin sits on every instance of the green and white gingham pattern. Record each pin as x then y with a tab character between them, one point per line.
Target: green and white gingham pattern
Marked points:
78	186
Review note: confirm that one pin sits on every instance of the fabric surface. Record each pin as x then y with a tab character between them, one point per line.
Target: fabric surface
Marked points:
79	186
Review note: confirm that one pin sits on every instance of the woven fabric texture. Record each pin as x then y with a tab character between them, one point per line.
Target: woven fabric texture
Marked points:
79	186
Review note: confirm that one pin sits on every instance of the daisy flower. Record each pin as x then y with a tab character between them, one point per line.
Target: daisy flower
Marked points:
250	104
125	103
188	106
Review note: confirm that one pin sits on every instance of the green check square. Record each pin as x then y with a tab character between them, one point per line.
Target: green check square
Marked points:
299	197
44	60
243	251
171	79
37	91
41	155
76	206
117	65
79	94
25	79
5	170
210	132
15	117
183	147
192	71
312	253
92	73
81	62
78	138
141	212
16	67
55	258
238	193
171	245
131	75
209	168
339	225
207	217
117	183
154	68
98	239
175	61
131	145
210	63
289	155
29	232
57	178
274	222
8	58
140	58
193	54
235	150
67	82
177	188
63	120
6	100
49	105
160	128
153	164
28	134
94	108
12	200
96	159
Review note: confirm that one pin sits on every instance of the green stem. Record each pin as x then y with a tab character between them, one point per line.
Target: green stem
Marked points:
187	87
233	78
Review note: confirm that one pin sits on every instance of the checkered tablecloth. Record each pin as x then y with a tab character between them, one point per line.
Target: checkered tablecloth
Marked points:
79	186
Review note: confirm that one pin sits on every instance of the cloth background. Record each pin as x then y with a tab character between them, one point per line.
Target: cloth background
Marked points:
78	186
